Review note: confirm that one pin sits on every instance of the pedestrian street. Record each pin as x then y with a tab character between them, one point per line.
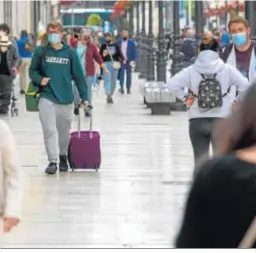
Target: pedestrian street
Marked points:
134	200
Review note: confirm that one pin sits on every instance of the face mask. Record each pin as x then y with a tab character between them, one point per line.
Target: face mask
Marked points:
4	49
124	38
239	39
87	38
54	38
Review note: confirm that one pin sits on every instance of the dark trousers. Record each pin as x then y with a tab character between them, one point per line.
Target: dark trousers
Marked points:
128	69
200	132
5	92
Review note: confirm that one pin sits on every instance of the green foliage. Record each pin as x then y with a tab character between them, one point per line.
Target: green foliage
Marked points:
94	20
186	4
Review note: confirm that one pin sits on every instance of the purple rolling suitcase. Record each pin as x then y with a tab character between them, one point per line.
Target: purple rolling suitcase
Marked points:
84	148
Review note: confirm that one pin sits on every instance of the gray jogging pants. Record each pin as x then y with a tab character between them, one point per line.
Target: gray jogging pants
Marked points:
56	122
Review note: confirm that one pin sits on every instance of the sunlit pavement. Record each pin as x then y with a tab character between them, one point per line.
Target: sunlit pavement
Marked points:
136	198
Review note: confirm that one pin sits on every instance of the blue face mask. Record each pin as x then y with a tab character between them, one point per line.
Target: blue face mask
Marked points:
54	38
239	39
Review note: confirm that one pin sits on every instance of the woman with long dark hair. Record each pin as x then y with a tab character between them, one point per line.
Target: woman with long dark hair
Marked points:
221	204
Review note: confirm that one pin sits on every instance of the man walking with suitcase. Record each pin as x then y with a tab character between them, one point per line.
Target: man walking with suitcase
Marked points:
52	68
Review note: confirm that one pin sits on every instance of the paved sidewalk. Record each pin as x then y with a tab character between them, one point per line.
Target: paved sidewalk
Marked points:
136	198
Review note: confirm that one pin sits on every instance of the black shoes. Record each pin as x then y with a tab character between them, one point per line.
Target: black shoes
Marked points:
51	169
76	111
122	91
63	166
22	92
109	100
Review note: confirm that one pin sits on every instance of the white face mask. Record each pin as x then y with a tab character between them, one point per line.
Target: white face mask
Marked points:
3	49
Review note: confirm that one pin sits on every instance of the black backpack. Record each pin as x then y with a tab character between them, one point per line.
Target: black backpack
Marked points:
209	93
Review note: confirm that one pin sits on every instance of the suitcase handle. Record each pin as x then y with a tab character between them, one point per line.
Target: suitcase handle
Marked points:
79	120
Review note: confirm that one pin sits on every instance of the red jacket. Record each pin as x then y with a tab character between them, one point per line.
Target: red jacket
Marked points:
73	42
92	55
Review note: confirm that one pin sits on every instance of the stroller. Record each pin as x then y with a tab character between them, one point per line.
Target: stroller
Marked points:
13	103
14	109
9	99
14	100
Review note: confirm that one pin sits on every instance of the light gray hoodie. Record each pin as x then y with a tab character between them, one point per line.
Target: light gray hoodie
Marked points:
209	63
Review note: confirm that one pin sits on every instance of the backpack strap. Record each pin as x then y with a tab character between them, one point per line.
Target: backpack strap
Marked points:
226	52
42	61
203	76
70	56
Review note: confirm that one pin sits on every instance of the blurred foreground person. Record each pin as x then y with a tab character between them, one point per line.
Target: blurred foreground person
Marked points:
221	204
11	179
209	81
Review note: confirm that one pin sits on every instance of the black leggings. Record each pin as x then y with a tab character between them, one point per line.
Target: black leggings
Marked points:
200	132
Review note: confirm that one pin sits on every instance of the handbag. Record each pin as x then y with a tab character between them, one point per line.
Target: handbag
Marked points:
32	95
115	64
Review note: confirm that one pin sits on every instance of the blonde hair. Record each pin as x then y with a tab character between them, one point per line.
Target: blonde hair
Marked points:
55	24
44	39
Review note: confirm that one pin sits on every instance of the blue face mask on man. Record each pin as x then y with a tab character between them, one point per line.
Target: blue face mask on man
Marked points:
54	38
239	39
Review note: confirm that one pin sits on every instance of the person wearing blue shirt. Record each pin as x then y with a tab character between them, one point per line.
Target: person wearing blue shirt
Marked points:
225	38
129	51
25	47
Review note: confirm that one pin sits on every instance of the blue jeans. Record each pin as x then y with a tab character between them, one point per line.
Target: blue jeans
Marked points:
89	82
96	81
128	69
110	79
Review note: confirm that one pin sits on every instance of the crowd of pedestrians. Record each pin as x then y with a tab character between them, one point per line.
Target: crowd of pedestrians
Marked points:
65	73
217	84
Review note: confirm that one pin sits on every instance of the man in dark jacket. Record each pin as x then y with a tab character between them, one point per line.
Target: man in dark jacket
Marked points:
188	48
52	68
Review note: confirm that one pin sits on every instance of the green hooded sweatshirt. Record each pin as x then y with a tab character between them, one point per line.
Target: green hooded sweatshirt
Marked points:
61	66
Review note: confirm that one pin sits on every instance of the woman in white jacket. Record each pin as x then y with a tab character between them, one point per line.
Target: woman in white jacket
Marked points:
11	179
202	120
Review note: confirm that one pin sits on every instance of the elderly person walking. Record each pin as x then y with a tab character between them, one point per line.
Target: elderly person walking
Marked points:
88	53
9	64
11	179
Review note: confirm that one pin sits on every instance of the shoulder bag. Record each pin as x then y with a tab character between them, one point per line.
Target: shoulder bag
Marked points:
116	64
